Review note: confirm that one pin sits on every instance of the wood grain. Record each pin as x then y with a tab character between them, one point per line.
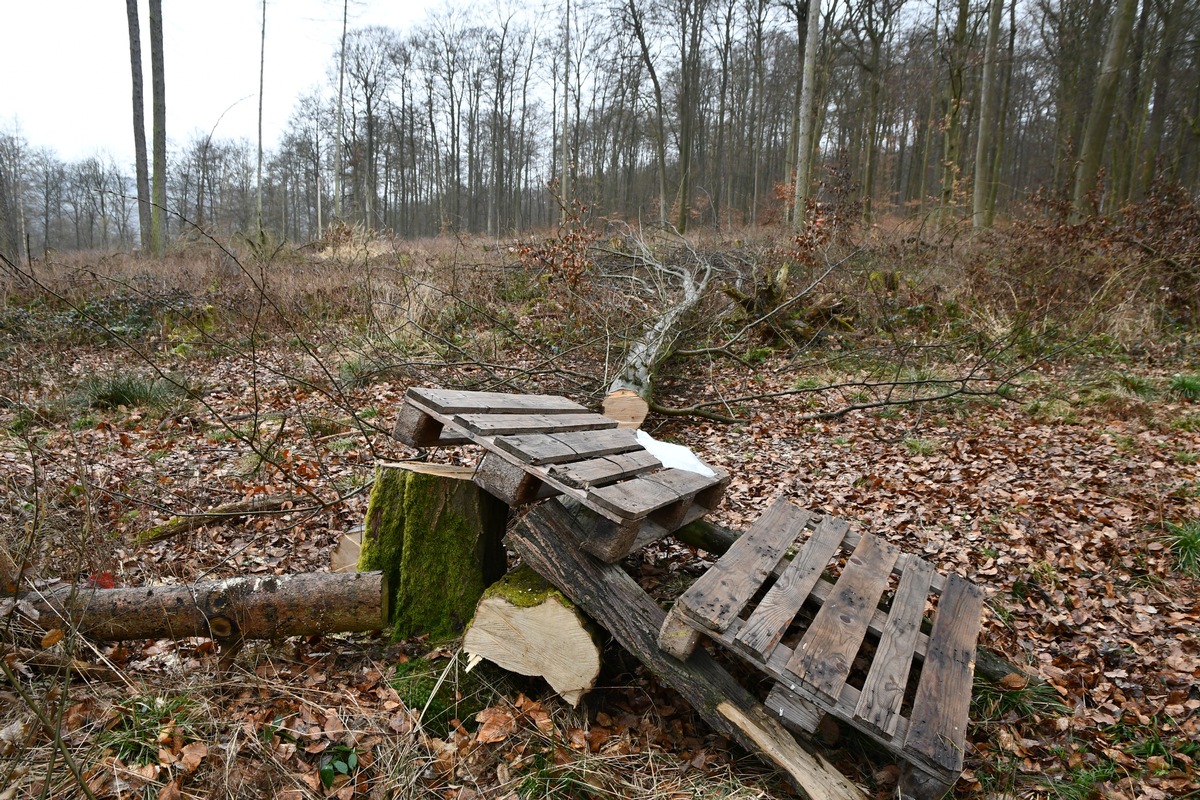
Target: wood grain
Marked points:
826	652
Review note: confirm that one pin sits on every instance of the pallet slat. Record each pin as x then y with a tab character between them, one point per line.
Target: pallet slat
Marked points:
938	720
636	498
451	402
506	424
556	448
775	613
826	652
605	469
883	692
720	594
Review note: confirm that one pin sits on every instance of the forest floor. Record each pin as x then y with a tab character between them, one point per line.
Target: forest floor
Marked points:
1072	497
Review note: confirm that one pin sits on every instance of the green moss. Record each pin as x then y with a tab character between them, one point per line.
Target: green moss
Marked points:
524	588
461	696
437	540
383	531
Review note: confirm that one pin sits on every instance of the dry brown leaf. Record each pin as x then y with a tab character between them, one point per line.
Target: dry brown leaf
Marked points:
192	754
1013	682
496	725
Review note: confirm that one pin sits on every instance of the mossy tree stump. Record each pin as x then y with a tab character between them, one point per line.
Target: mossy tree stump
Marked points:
436	537
525	625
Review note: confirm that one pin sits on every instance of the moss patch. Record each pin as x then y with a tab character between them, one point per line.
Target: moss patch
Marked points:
437	539
524	588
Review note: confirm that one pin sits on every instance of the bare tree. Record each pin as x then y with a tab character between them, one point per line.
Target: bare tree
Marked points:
139	123
158	212
1096	132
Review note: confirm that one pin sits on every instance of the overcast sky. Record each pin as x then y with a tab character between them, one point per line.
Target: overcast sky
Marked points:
67	83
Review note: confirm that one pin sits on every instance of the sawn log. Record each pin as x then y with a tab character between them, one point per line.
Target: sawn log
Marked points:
258	607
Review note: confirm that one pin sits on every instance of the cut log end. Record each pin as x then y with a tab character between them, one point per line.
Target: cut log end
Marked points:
525	626
626	407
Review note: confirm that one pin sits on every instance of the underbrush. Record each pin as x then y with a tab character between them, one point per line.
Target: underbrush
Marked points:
133	391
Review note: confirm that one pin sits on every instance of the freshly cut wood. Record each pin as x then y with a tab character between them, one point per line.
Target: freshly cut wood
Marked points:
525	625
255	607
436	535
223	513
346	554
546	542
626	407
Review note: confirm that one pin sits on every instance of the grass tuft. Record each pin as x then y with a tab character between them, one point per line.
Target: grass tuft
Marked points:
1184	542
123	389
1186	387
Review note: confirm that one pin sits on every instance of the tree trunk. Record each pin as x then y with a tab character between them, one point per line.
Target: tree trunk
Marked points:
1096	133
987	120
612	598
158	211
139	125
808	116
436	536
525	625
258	607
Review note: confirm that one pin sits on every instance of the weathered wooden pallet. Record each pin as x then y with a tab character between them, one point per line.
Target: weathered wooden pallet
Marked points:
838	621
539	446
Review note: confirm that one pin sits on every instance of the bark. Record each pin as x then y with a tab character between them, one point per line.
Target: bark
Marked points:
612	598
636	373
222	513
525	625
158	211
1087	172
436	536
1158	106
808	115
258	607
987	120
139	125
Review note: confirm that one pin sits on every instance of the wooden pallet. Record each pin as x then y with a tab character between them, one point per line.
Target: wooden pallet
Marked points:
840	628
538	446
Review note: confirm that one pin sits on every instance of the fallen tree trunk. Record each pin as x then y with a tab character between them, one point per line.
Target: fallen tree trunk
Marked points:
525	625
545	541
631	392
258	607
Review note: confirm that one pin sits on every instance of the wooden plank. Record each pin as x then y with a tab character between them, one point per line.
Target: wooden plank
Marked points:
450	402
798	713
506	424
608	595
606	469
842	707
721	593
938	728
677	637
507	481
636	498
775	613
416	428
826	652
882	693
542	448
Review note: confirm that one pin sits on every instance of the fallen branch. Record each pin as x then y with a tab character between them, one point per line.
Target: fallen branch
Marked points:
273	504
